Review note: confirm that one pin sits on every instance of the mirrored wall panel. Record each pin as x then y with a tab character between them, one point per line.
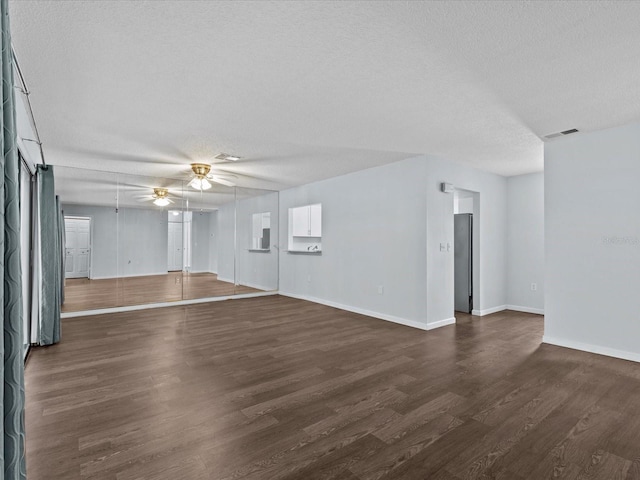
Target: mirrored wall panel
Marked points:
90	207
256	264
133	240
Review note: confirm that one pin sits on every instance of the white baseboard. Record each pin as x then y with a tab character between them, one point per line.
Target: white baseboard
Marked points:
516	308
228	280
597	349
488	311
193	301
134	275
441	323
256	286
370	313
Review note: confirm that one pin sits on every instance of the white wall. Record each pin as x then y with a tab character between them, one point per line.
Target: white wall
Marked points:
525	242
132	242
200	242
226	242
382	228
592	241
490	211
213	242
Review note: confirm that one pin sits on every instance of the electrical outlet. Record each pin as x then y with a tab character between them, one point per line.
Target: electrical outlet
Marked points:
178	280
534	287
380	290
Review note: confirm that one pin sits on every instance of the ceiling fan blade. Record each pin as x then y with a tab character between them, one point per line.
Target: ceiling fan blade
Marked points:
143	198
221	181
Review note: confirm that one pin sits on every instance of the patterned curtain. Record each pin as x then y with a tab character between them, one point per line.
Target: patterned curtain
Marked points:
12	452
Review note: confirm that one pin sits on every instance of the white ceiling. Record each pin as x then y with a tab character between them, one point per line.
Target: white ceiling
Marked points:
309	90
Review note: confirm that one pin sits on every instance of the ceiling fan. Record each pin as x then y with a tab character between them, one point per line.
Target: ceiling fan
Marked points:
203	177
160	197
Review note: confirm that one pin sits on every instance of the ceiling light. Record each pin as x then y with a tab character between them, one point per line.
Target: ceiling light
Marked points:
200	182
160	197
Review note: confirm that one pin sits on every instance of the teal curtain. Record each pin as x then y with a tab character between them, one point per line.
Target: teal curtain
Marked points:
12	451
47	260
61	248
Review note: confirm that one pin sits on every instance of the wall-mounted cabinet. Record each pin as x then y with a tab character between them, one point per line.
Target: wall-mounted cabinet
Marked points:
305	229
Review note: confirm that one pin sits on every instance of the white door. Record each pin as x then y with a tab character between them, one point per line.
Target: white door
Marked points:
77	247
174	259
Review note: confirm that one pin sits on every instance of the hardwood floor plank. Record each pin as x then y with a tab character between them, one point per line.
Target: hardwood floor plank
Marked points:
278	388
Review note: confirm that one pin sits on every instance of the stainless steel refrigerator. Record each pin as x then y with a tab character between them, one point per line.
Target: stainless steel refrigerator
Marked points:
463	262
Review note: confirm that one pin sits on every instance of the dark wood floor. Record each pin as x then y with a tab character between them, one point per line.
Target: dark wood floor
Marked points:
84	294
276	388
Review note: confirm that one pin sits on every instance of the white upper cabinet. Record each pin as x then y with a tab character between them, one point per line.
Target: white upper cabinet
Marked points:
315	220
305	229
307	221
300	222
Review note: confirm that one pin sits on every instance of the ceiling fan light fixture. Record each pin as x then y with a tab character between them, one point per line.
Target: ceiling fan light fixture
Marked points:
161	202
200	169
200	183
160	197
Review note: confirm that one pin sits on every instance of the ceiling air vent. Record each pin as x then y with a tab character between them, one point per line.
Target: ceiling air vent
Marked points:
561	134
226	157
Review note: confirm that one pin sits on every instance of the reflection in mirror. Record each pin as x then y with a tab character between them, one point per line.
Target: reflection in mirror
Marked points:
256	263
207	229
260	231
151	252
138	240
89	206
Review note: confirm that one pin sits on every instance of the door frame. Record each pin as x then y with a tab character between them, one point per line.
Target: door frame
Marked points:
83	217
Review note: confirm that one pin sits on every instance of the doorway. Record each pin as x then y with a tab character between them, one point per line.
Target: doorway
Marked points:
77	247
466	209
463	262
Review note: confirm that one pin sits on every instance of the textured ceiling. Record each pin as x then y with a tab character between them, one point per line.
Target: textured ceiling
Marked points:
309	90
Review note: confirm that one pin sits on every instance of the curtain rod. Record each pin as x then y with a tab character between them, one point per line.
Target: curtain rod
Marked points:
25	91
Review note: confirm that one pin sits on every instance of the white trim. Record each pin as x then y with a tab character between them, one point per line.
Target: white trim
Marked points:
369	313
135	275
132	308
441	323
597	349
201	271
489	311
256	286
516	308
